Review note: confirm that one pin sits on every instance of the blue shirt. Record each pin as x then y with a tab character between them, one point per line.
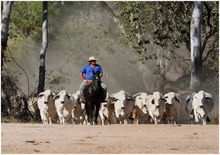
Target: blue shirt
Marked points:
88	70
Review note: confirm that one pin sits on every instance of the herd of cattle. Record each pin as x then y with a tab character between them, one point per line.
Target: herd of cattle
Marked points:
138	108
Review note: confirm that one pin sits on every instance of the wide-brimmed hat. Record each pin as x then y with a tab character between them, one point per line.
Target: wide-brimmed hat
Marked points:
92	58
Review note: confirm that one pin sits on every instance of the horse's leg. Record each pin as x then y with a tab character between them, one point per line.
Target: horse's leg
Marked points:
87	113
90	113
97	113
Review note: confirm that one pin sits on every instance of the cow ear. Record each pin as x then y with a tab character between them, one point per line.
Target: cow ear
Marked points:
163	99
208	95
152	101
53	94
115	99
165	96
131	99
68	96
188	98
40	95
56	97
208	99
177	97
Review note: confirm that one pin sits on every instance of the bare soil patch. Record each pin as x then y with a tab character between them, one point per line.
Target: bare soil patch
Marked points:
148	138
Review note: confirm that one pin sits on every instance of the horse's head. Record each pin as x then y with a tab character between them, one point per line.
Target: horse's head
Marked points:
96	80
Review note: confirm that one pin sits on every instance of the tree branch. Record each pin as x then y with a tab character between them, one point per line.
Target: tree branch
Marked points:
209	51
209	15
211	30
207	37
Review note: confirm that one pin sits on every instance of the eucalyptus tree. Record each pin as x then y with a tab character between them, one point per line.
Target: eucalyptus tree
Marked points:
41	81
7	6
196	48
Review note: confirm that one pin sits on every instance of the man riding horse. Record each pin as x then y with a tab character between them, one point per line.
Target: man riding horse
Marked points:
86	74
92	91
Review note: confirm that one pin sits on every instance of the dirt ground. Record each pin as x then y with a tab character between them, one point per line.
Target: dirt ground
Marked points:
72	139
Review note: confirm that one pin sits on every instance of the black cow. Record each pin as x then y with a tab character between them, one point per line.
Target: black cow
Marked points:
94	94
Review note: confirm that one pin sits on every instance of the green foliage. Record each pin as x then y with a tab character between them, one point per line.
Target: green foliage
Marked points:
26	19
163	23
166	24
20	46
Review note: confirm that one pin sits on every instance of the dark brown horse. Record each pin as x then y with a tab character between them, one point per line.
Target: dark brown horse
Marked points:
94	94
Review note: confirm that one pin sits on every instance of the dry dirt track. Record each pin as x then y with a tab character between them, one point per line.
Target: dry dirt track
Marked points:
39	138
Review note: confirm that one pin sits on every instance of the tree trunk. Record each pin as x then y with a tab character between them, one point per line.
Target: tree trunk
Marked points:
196	50
43	48
7	5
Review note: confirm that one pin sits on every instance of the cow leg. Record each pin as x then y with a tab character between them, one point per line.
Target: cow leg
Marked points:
204	120
134	116
61	119
190	120
60	116
191	117
196	116
117	117
82	106
85	121
50	122
175	119
43	117
169	121
73	117
125	121
82	119
102	117
121	119
155	120
109	118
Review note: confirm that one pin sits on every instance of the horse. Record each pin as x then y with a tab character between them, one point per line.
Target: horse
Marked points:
94	94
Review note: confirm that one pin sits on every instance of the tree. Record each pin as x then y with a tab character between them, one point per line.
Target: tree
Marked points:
7	5
43	48
167	24
196	48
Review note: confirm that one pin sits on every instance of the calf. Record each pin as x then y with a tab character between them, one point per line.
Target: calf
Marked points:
198	105
111	108
64	105
140	112
46	106
129	104
155	106
172	107
79	110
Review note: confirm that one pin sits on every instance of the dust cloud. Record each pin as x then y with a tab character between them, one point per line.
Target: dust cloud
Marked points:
87	30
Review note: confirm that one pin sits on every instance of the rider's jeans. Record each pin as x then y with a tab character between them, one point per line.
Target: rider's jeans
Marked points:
83	85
